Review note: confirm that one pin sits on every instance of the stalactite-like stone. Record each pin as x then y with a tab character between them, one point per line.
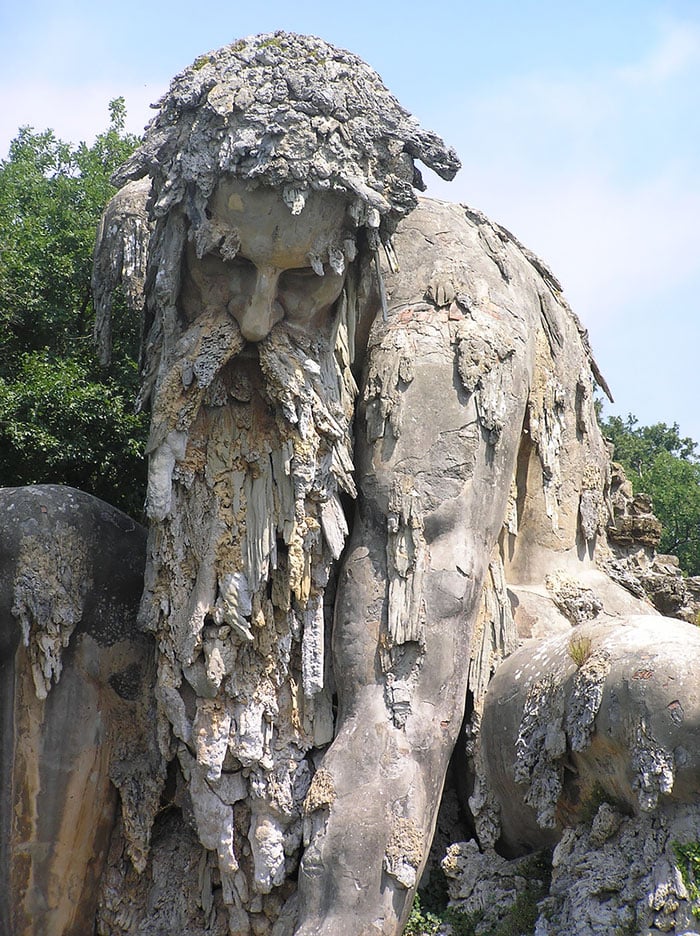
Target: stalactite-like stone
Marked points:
406	559
49	594
495	636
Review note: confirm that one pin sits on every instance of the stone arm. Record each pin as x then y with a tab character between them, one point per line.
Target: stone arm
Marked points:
438	429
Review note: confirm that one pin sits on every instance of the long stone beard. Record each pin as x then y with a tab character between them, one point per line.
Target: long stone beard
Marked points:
250	453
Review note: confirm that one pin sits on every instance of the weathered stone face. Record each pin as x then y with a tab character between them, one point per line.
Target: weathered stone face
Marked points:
262	264
251	449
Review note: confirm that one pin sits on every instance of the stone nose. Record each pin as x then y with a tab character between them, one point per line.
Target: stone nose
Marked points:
262	311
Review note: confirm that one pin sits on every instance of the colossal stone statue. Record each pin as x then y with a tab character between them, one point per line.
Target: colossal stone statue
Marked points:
374	470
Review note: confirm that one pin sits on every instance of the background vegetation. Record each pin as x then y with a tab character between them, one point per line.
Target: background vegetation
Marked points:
63	418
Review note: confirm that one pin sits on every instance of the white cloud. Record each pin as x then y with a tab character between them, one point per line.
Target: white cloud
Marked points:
579	171
678	50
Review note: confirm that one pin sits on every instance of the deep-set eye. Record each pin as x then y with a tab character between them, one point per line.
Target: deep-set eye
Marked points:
300	273
242	263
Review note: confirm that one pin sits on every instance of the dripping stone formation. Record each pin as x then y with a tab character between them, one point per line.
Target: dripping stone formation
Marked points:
381	528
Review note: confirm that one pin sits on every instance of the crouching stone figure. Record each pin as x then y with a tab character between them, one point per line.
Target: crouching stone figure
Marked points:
372	414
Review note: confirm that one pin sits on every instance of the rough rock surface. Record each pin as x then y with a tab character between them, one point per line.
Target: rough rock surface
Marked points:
75	706
250	447
588	742
614	708
633	534
613	873
487	887
623	874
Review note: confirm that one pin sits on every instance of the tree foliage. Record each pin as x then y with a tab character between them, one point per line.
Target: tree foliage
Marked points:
663	464
62	418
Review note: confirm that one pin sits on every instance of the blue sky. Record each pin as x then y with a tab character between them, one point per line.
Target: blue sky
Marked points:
577	125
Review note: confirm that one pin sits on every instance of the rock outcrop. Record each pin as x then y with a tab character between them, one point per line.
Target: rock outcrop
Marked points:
76	705
634	534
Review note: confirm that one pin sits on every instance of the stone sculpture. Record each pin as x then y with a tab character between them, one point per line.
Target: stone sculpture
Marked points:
375	469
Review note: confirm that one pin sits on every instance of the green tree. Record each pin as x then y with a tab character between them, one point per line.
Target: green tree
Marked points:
662	463
62	418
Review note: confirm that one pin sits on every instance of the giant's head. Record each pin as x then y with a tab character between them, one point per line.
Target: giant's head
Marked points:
275	159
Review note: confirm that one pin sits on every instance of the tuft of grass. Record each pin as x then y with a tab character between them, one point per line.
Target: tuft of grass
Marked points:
423	922
579	649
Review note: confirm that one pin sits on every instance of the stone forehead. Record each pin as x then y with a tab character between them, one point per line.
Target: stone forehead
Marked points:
288	111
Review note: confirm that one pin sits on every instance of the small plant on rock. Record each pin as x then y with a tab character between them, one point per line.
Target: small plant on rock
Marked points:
580	648
688	858
421	922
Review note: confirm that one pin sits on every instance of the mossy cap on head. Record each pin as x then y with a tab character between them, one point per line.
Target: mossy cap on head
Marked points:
294	113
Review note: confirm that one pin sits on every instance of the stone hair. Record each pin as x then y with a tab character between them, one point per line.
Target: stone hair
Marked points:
292	112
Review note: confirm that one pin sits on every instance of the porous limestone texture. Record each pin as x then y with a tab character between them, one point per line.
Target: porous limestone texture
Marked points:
486	887
612	874
612	710
623	874
445	471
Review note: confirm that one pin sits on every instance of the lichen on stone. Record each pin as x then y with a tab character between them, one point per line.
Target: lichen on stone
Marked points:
49	594
654	768
404	851
321	794
585	698
539	746
577	602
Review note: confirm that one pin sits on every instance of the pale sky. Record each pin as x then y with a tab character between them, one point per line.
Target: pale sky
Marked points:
576	122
